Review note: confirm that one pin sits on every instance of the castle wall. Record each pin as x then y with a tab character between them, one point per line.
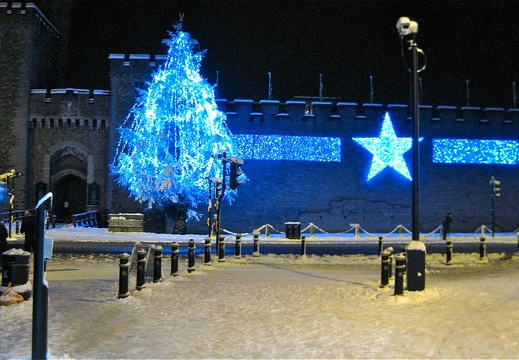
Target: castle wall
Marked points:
75	119
27	44
333	195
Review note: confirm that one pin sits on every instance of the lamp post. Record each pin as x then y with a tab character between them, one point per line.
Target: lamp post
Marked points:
416	250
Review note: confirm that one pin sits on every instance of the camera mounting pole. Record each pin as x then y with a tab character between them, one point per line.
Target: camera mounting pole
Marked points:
416	250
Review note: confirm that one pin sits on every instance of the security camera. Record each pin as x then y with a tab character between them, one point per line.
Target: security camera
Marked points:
406	27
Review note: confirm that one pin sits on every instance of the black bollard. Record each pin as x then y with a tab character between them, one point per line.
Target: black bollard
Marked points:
207	251
124	266
174	259
141	268
482	248
256	251
221	251
303	245
380	245
191	256
399	274
157	264
53	221
384	280
237	249
390	265
448	255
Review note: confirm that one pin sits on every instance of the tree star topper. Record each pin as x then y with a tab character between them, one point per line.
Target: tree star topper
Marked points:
387	150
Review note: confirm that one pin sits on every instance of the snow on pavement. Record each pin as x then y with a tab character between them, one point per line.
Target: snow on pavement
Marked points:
275	307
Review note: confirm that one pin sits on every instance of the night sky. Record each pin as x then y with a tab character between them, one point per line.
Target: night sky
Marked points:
346	41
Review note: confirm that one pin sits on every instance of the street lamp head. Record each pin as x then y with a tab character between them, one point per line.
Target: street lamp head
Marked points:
406	27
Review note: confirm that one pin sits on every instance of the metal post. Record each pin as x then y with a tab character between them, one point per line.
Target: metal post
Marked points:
141	269
303	245
40	304
174	259
124	266
399	274
384	280
237	249
191	256
207	251
448	259
380	245
390	265
482	248
221	251
157	264
256	251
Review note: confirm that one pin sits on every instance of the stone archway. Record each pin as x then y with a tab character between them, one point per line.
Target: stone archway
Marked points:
68	180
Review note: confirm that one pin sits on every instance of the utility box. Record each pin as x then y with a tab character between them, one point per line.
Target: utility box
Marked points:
293	230
415	266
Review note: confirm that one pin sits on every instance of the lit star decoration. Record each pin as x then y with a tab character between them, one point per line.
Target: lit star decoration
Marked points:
169	140
387	150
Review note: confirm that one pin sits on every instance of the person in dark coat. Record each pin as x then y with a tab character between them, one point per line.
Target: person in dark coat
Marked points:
3	237
446	225
29	229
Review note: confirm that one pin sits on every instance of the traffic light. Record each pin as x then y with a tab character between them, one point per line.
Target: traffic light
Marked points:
218	188
496	190
236	172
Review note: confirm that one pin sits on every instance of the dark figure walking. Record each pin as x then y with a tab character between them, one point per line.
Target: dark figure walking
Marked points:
3	237
446	226
29	229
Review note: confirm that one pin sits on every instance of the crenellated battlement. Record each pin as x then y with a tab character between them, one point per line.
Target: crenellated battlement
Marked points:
70	108
121	64
22	8
243	114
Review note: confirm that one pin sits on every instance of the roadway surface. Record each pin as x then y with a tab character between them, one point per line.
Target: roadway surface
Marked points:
101	241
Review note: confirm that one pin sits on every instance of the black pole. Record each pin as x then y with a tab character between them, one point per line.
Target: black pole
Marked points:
237	248
303	245
174	258
191	256
157	264
384	269
399	274
493	221
124	273
448	259
141	269
416	150
207	251
41	292
221	249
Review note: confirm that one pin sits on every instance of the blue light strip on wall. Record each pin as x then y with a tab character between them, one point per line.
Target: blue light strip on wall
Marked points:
469	151
282	147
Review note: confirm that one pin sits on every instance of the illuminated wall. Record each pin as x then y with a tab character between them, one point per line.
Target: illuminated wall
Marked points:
335	163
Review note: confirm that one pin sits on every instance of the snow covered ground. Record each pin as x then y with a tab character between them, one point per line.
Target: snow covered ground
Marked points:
275	307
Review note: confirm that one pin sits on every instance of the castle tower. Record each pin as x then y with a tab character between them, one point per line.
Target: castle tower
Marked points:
30	56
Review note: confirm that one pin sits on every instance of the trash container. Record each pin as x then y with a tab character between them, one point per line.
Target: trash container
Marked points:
415	266
293	230
15	268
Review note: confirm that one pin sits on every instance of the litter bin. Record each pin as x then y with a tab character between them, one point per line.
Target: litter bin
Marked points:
293	230
415	266
15	268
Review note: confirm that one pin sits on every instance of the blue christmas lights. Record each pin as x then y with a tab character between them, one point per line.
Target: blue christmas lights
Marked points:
284	147
170	139
470	151
387	150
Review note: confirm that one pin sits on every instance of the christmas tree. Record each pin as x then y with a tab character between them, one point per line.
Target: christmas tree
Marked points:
170	139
